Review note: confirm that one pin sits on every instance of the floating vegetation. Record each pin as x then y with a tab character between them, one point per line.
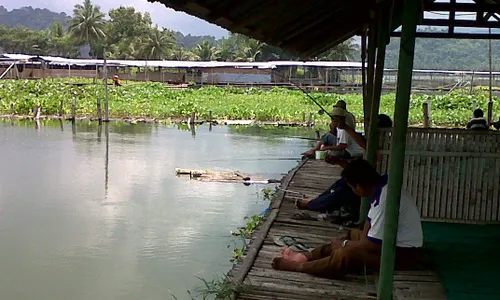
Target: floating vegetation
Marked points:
154	100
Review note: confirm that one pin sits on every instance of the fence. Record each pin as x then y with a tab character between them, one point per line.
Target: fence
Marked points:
453	174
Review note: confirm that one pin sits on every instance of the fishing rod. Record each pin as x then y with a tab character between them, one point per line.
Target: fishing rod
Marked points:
256	159
306	93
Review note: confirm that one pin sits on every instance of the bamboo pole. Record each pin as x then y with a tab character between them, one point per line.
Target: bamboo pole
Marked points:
106	103
383	17
363	75
411	15
490	103
372	52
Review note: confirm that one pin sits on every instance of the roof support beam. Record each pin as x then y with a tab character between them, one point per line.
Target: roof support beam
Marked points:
462	7
459	23
411	14
456	35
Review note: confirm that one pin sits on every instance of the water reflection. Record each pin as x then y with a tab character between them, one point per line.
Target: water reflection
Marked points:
69	233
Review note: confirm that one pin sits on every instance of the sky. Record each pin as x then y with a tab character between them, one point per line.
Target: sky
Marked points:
161	15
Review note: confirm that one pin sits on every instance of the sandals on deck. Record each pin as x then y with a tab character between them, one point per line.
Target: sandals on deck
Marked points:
291	242
302	215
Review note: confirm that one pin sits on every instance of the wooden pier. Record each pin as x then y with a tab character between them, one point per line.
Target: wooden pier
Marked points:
259	281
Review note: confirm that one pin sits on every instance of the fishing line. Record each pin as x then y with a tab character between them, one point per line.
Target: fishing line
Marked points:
305	92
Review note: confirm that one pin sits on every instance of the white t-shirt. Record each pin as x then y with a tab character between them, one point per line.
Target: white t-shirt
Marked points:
352	147
409	228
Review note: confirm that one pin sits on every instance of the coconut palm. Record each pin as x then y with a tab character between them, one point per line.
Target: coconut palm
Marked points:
251	50
158	43
87	24
181	53
341	52
225	49
205	50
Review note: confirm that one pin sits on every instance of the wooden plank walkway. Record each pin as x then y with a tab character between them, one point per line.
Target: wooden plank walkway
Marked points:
261	282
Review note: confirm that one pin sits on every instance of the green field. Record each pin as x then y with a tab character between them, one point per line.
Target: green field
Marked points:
156	101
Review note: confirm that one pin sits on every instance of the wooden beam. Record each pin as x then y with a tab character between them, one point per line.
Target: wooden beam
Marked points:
451	27
462	7
456	35
459	23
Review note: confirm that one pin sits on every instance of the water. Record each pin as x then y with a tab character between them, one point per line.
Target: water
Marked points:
76	223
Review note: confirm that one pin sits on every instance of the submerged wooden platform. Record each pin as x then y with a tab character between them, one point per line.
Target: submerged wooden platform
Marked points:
260	281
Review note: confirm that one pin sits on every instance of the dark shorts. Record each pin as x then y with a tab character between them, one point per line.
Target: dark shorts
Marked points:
337	196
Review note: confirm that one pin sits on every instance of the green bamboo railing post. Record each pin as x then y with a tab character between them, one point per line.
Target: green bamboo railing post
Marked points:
383	18
411	15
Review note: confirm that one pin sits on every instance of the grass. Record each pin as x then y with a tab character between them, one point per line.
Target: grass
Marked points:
153	100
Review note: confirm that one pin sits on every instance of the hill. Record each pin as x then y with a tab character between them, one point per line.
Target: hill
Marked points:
32	18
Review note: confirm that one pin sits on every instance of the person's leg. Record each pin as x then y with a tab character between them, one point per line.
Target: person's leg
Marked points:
316	147
304	203
343	154
341	262
317	253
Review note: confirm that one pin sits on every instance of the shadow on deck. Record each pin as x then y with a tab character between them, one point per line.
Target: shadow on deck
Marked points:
262	282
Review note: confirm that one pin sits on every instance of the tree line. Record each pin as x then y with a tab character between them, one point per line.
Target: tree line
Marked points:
129	34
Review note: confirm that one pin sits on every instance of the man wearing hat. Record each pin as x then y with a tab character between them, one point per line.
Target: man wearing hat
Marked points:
116	80
346	147
349	118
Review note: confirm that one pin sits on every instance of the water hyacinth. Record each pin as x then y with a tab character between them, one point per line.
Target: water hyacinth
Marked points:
154	100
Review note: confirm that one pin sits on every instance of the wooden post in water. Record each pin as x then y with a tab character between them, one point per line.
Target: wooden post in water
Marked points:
304	117
12	110
73	109
471	83
311	120
61	110
37	112
192	119
99	110
426	114
490	113
317	135
106	104
210	116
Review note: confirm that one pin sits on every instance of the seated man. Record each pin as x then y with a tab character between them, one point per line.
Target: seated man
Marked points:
349	118
328	139
478	122
362	249
339	194
116	81
346	146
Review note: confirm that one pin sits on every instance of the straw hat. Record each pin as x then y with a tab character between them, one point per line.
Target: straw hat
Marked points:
339	112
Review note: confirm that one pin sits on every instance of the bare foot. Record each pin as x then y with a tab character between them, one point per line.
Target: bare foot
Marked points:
308	152
279	263
302	203
291	255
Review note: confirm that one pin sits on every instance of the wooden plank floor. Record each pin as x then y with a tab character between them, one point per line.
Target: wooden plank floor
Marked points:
260	281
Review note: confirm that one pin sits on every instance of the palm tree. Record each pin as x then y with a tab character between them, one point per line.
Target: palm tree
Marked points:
225	49
341	52
87	24
205	50
249	51
158	43
181	53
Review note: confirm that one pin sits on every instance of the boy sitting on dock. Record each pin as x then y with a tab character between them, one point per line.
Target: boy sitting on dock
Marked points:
327	139
478	122
346	146
361	250
339	194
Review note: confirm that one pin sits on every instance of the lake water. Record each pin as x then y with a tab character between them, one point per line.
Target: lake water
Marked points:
80	222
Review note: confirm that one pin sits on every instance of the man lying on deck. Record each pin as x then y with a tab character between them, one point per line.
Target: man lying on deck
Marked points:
339	195
361	250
